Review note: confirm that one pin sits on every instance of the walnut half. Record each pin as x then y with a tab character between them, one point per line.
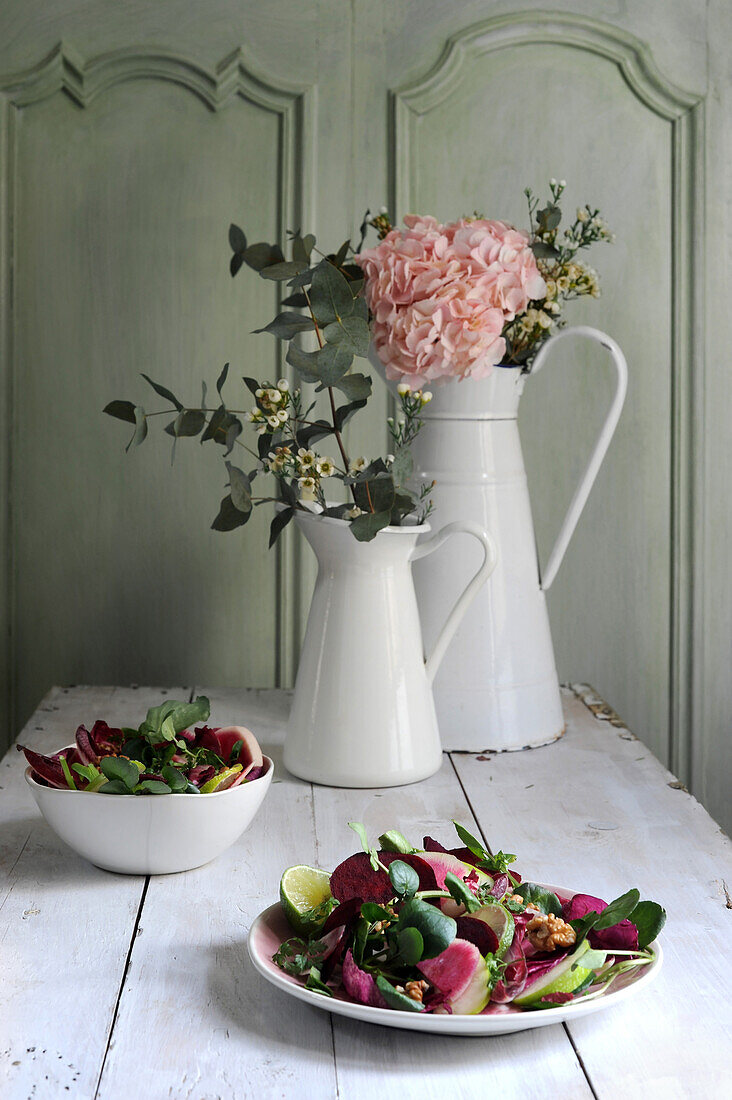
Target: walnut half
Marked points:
546	933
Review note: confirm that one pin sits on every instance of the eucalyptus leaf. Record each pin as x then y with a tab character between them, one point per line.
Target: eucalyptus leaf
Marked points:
282	271
549	218
261	255
351	332
287	325
375	494
279	523
241	490
187	423
140	432
121	410
237	238
222	378
163	391
402	466
367	526
229	517
330	295
356	387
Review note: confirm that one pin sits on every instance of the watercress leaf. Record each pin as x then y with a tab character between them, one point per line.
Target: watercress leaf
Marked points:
358	943
649	918
360	831
437	930
330	295
315	983
539	898
403	878
410	945
115	786
153	786
373	912
175	779
229	517
618	910
395	999
461	893
121	410
470	842
393	841
367	526
117	767
163	391
167	729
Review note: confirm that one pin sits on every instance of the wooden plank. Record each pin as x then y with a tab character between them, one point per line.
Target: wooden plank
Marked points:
597	812
193	1011
533	1064
65	926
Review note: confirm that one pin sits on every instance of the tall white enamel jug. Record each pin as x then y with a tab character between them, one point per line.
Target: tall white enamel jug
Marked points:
497	687
363	713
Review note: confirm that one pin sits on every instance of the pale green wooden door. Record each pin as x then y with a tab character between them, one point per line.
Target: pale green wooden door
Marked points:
128	149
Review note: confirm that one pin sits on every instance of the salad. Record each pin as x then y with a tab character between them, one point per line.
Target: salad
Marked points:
164	755
455	931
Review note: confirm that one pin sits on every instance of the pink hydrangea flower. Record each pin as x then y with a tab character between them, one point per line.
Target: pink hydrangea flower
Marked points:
440	296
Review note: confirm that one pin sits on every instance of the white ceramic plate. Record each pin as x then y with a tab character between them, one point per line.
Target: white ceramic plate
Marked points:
270	929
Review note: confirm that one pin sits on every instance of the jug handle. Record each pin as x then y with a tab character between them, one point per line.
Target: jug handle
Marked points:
603	440
490	559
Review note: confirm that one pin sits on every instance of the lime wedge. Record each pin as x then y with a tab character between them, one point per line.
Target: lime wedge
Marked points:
497	917
306	898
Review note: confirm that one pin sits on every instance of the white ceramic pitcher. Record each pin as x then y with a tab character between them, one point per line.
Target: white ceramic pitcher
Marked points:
363	714
498	687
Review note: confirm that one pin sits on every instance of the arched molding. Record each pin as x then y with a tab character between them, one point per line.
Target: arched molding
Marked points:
684	112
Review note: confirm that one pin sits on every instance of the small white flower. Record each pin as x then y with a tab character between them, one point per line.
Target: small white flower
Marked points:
403	389
552	182
357	464
273	421
259	393
383	210
390	419
282	416
352	513
389	459
283	385
562	183
582	214
305	458
544	319
254	416
426	397
325	467
307	488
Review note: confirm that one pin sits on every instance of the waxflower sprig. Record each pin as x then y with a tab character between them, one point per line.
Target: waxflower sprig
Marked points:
327	309
566	278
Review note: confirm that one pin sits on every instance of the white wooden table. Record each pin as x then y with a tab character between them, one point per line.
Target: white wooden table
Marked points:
114	986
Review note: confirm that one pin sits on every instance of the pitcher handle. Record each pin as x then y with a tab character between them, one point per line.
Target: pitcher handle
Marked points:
490	559
603	440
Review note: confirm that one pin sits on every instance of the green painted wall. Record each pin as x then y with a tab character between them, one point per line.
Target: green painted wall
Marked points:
125	154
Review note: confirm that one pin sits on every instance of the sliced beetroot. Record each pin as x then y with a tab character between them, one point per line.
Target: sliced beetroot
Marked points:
46	767
359	984
479	933
356	878
431	845
343	915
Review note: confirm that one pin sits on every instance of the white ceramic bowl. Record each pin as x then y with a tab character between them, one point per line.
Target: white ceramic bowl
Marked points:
151	834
